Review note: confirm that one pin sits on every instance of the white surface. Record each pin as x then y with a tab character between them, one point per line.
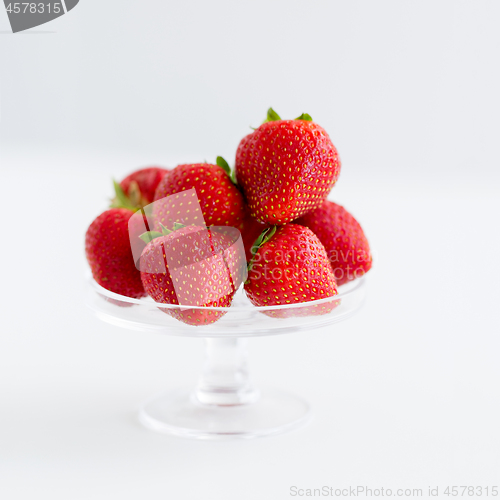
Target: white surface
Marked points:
396	83
406	394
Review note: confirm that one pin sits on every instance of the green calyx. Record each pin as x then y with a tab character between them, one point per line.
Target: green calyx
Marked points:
121	200
305	117
272	116
264	237
151	235
222	163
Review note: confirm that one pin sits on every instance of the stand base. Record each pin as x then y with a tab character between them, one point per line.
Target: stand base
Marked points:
180	413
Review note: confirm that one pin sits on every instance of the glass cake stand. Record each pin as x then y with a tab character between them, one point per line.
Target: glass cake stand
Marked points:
225	403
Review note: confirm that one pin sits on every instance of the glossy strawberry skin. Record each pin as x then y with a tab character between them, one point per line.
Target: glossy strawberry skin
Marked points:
147	180
286	168
292	268
220	200
171	258
343	239
107	248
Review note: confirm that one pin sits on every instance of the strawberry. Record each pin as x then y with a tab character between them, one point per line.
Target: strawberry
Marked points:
250	230
192	266
286	168
220	200
343	239
107	248
290	266
138	189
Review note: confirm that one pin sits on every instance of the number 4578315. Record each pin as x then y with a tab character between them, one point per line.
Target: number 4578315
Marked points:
471	491
33	8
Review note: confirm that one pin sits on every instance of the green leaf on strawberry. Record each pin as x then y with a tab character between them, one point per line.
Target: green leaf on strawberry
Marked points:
306	117
264	237
150	236
140	186
164	230
272	116
221	162
121	200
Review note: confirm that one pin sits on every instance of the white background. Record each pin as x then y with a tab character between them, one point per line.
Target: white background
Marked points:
405	394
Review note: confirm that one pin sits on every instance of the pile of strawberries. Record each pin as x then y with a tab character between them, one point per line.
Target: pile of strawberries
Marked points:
298	246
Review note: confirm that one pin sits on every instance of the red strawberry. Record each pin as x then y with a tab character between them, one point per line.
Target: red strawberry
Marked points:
286	168
107	248
192	266
139	187
220	200
290	267
250	230
343	239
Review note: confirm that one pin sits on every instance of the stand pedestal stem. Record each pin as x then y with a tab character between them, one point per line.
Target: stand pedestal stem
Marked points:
225	380
225	403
